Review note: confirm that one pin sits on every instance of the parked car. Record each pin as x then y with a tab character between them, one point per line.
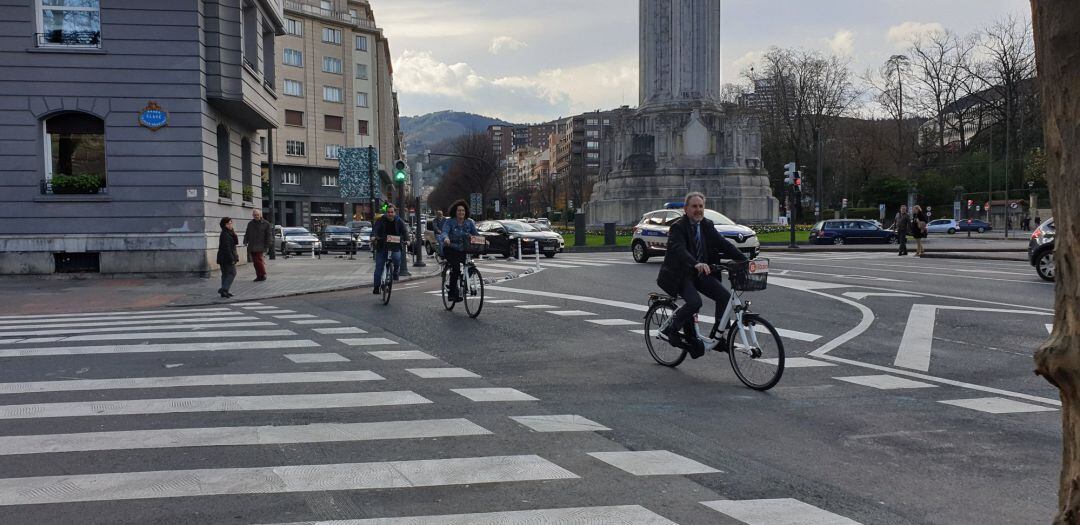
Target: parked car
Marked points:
853	231
502	237
1041	249
363	238
651	232
545	227
973	225
295	240
337	238
942	226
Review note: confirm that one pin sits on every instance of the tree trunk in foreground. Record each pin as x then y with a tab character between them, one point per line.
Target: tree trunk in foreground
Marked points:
1057	53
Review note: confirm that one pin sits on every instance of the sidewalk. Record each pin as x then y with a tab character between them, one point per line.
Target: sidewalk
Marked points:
293	276
934	244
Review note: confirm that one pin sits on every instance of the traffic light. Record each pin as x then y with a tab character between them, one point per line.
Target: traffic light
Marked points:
399	171
797	180
789	173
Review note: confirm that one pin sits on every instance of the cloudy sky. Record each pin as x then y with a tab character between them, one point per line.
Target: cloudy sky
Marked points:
530	61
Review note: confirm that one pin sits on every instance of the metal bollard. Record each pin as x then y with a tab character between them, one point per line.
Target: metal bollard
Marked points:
312	251
538	256
520	253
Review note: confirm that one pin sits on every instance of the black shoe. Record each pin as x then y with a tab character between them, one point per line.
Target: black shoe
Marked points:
395	278
227	294
695	347
673	336
376	290
223	293
259	279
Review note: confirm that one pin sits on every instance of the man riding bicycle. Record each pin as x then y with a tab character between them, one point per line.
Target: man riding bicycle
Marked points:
693	245
387	225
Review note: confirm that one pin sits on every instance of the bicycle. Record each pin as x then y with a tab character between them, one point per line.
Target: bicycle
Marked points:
758	360
470	285
387	284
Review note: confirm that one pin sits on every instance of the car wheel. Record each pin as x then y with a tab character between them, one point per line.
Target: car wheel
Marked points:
549	255
839	241
981	229
952	231
1044	265
893	240
641	254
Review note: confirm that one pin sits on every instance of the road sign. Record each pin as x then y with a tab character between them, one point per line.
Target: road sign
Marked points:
1014	205
496	206
843	203
476	203
881	212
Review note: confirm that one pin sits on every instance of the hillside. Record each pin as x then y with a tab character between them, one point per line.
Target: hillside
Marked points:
433	128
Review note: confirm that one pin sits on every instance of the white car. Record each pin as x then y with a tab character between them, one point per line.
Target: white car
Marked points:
650	234
942	226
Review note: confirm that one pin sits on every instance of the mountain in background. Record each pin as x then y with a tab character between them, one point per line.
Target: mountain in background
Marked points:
436	128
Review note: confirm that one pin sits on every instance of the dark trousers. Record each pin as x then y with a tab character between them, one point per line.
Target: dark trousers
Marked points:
228	273
380	263
902	240
708	285
454	258
259	263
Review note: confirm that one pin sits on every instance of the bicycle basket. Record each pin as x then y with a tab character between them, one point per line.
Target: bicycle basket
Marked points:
476	245
750	276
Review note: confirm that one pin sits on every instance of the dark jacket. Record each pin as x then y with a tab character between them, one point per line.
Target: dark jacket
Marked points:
383	227
257	236
226	252
903	223
679	260
916	232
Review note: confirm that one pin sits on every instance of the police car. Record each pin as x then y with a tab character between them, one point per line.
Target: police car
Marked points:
650	234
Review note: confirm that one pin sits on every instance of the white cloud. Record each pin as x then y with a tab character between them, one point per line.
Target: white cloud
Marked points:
743	64
843	43
505	43
901	36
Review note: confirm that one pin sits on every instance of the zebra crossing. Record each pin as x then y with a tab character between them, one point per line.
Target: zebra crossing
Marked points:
330	409
559	262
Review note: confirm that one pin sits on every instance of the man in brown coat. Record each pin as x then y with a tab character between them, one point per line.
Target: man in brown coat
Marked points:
258	239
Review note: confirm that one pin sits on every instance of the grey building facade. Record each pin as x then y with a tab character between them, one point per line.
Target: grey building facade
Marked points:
129	128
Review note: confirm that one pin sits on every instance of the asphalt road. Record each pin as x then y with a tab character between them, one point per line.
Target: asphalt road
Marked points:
908	398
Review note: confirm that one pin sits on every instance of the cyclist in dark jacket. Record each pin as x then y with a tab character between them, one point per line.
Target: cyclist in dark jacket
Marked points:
388	224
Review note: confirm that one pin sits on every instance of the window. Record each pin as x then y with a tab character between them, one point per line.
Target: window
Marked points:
245	170
331	65
361	71
294	27
76	146
290	177
69	23
352	13
361	100
224	161
294	118
329	180
295	148
332	151
593	133
592	144
324	5
592	155
332	123
331	35
361	43
262	145
607	122
592	122
293	88
249	29
269	75
331	94
362	127
294	57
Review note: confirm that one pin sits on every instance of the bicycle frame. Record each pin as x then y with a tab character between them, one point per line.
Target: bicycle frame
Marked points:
735	308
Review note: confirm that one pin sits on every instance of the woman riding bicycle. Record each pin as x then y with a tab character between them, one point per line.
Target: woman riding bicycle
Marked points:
454	238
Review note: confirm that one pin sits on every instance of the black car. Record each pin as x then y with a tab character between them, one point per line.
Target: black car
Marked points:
1041	249
502	237
850	231
337	238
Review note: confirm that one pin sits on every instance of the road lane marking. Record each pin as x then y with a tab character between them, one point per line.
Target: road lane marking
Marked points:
7	330
114	318
368	341
623	515
560	423
238	436
885	382
493	394
796	362
535	306
833	266
5	319
652	463
504	301
441	373
613	322
863	295
570	313
532	264
78	385
210	404
1050	328
340	330
315	321
399	355
219	323
328	357
294	316
157	348
997	405
917	341
247	304
212	334
782	511
278	479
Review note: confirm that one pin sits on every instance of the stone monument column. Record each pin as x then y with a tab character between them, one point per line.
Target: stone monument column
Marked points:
679	51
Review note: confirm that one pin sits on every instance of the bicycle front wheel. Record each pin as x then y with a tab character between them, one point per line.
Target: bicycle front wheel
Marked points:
446	302
760	363
473	291
663	352
388	282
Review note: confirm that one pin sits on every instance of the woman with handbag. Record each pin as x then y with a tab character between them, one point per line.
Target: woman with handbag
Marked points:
227	256
454	238
918	228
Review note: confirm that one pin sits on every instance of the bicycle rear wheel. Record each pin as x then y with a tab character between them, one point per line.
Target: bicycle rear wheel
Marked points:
663	352
446	302
758	366
473	291
388	282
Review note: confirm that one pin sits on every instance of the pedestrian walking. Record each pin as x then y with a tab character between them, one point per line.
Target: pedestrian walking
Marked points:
1038	221
1027	224
258	239
918	228
903	226
227	257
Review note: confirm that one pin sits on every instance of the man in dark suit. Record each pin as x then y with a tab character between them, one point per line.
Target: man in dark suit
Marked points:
693	244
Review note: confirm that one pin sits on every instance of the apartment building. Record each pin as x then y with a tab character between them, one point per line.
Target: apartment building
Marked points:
502	140
336	91
129	129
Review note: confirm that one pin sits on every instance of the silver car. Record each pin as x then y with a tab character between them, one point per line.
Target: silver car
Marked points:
296	240
651	233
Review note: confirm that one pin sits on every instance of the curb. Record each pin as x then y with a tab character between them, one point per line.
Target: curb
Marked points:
219	301
594	249
973	257
812	248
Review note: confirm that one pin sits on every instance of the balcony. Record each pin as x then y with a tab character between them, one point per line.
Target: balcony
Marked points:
300	7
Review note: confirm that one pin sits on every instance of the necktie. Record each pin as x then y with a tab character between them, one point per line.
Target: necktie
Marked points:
697	240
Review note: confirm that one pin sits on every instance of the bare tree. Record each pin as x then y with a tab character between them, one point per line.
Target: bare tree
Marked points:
830	95
938	60
1057	31
886	85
